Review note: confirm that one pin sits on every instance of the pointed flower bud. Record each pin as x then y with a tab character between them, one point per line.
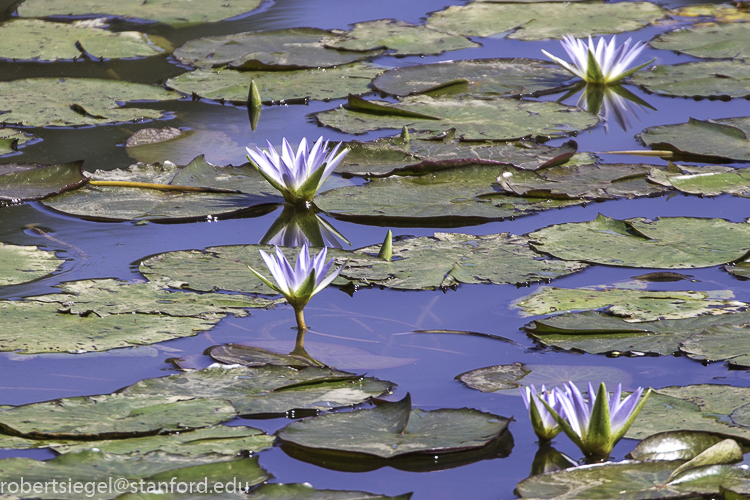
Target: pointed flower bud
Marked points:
542	421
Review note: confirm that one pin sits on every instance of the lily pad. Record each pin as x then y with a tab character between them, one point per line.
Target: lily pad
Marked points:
125	203
634	306
146	136
400	38
579	20
25	182
40	102
675	445
723	79
715	41
21	264
671	243
10	140
473	119
163	11
271	491
316	84
294	48
266	389
704	181
44	41
720	343
393	429
475	77
721	139
215	146
722	13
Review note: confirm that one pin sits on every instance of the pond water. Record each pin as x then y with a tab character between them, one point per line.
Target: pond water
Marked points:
377	322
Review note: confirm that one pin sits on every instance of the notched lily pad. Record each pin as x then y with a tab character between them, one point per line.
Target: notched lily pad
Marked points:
21	264
294	48
724	139
712	41
11	139
393	429
717	79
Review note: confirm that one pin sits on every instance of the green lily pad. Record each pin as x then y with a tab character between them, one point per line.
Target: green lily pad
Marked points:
44	41
25	182
634	306
163	11
721	13
632	480
447	259
475	77
271	491
720	343
693	79
473	119
21	264
704	181
124	203
10	139
294	48
40	102
714	41
146	136
216	145
266	389
675	445
597	182
393	429
456	197
672	243
316	84
400	38
113	416
507	379
723	139
579	20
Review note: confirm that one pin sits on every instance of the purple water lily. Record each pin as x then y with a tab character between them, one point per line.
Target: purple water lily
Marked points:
542	421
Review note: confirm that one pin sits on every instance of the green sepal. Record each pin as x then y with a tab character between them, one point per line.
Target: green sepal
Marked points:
305	291
632	417
593	70
629	72
537	423
598	438
307	190
272	286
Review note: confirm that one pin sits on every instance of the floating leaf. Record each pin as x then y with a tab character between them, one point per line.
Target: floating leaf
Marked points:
393	429
720	343
705	181
475	77
271	491
123	203
10	140
723	13
634	306
675	445
721	139
214	145
21	264
40	102
163	11
671	243
399	37
693	79
45	41
317	84
473	119
294	48
146	136
579	20
23	181
714	41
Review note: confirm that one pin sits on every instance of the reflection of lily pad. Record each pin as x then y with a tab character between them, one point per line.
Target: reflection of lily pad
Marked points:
214	145
477	77
401	38
40	102
164	11
473	119
722	139
21	264
44	41
674	243
295	48
393	429
317	84
703	78
716	41
579	20
124	203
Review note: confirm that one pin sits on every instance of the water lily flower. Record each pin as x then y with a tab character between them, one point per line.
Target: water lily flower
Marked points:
298	175
299	283
601	64
596	425
542	421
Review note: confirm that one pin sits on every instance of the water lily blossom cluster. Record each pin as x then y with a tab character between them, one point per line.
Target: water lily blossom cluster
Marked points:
297	175
299	283
602	63
542	421
597	424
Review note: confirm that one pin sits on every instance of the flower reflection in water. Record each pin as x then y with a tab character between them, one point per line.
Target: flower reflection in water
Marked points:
612	103
296	226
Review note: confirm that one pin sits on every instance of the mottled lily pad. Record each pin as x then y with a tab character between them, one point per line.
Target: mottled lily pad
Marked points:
702	78
125	203
634	306
45	41
704	181
720	343
316	84
21	264
393	429
163	11
579	20
721	13
39	102
473	119
400	38
475	77
10	140
715	41
672	243
295	48
25	182
721	139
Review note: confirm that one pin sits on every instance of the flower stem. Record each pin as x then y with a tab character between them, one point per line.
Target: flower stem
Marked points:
299	314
